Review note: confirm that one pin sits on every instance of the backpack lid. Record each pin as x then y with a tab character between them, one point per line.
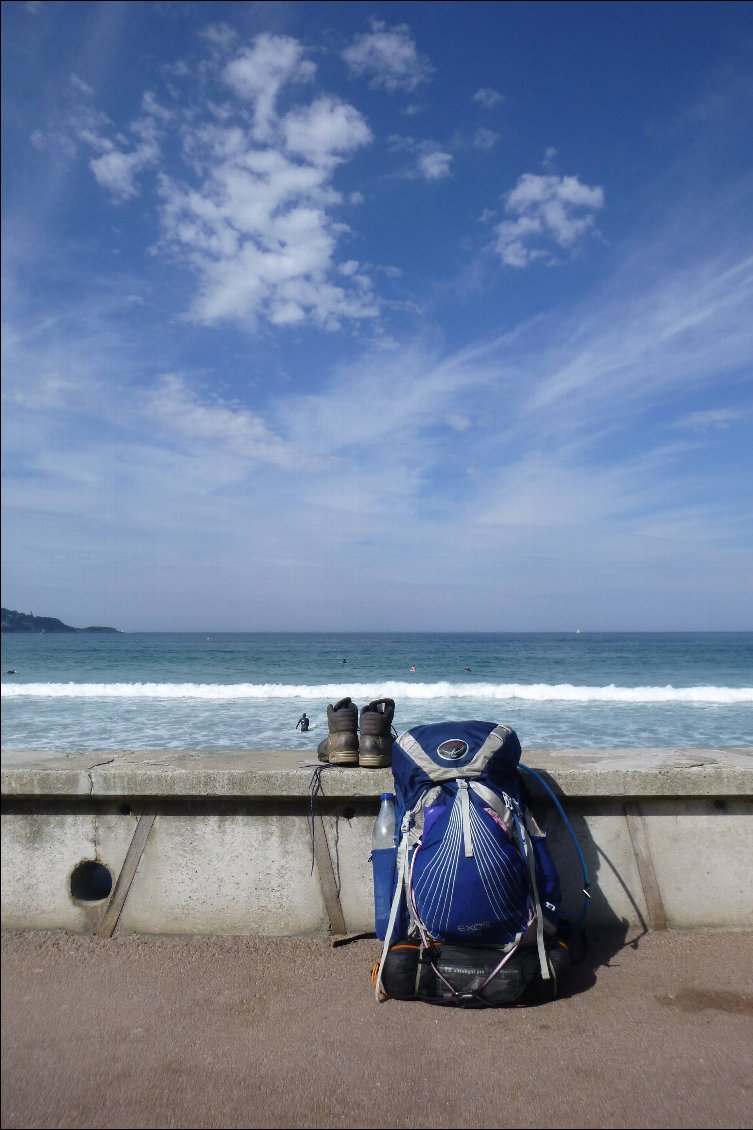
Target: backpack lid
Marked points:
445	751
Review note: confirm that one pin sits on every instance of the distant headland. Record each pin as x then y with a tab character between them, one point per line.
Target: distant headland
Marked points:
39	625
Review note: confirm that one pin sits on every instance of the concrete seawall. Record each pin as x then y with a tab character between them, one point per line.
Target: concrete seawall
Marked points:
186	842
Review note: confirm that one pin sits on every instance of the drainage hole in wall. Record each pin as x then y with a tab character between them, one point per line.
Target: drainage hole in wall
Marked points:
125	809
90	881
348	813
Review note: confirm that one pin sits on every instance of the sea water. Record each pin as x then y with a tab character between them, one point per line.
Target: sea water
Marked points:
247	690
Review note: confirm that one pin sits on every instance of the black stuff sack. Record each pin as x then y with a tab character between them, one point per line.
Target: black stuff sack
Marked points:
472	976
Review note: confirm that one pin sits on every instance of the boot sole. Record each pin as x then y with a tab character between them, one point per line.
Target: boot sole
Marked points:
344	758
375	761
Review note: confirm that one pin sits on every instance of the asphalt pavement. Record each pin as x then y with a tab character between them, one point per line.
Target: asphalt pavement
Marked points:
656	1030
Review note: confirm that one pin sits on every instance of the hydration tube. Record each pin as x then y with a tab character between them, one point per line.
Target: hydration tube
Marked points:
573	837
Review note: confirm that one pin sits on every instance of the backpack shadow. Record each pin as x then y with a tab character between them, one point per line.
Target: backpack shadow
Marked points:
594	932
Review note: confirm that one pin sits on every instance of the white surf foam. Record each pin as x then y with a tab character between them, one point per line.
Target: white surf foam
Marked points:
363	692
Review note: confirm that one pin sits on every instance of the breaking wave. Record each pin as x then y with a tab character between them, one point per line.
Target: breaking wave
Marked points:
362	692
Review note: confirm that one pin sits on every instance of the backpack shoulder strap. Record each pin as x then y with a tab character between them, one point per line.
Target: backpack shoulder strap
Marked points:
411	831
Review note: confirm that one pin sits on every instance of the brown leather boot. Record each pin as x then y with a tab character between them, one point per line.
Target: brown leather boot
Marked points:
376	734
340	747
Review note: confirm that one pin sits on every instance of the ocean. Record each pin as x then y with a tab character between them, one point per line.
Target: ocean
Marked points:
225	691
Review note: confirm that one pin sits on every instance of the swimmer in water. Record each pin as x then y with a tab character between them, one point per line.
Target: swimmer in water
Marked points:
304	722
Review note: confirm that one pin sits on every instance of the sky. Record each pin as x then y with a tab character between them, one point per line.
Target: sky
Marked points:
378	317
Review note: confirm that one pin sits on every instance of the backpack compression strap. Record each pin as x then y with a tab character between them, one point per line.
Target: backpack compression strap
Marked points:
511	816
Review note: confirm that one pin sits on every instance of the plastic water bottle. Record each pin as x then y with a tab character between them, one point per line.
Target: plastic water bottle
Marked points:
383	862
383	835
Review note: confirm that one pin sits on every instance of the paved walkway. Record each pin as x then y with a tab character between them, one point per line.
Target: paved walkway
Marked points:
137	1031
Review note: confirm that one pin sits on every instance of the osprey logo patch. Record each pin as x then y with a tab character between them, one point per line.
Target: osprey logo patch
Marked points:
452	750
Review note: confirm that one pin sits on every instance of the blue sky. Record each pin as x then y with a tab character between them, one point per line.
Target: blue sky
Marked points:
333	316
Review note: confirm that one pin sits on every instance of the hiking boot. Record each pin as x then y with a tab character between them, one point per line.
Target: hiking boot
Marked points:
376	734
340	747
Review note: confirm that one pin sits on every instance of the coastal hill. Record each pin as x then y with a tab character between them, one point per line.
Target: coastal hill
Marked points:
28	622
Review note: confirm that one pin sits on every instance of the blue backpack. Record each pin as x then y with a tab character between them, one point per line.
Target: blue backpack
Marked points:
468	902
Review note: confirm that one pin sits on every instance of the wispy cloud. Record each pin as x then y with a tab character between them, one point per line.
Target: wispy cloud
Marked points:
419	472
178	412
709	418
654	330
487	97
485	139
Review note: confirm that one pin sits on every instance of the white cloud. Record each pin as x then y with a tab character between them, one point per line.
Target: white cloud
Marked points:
324	131
660	329
488	98
435	165
548	504
430	163
79	84
711	418
548	210
258	73
388	57
116	169
485	139
220	35
548	491
257	227
417	388
227	429
513	474
76	125
252	211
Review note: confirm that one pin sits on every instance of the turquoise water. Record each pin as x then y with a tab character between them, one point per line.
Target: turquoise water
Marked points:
247	690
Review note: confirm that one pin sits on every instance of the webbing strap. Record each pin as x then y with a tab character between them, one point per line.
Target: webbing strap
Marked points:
489	797
478	992
497	968
402	878
465	815
531	863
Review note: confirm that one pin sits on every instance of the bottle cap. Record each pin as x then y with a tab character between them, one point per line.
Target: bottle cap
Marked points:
386	796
